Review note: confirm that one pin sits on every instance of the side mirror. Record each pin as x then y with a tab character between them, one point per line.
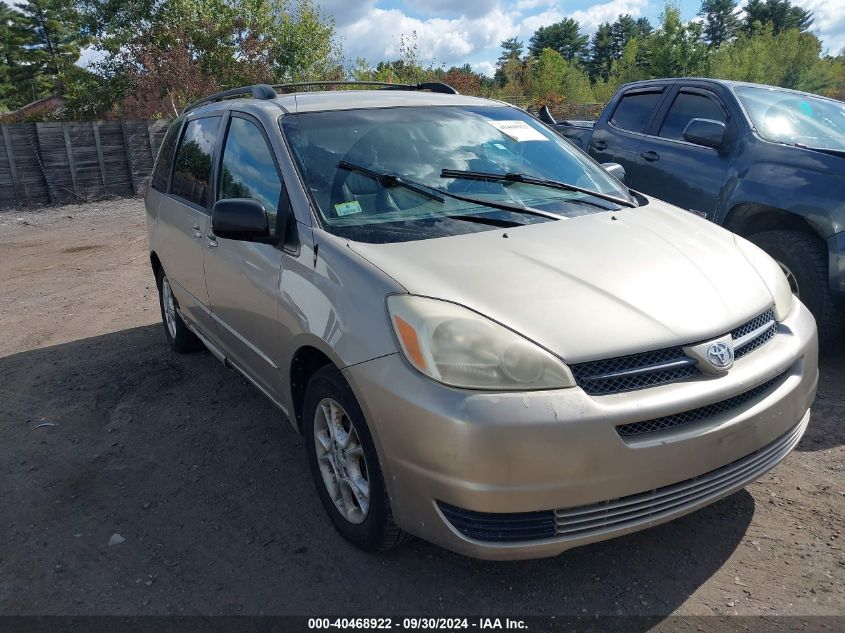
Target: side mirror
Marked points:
616	170
239	219
705	132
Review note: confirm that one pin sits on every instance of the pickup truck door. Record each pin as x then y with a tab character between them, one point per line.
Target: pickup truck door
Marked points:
669	168
243	278
616	138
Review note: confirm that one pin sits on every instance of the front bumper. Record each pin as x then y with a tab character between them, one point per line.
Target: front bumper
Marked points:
559	450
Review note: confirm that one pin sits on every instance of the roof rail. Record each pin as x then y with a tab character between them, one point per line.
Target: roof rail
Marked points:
433	86
258	91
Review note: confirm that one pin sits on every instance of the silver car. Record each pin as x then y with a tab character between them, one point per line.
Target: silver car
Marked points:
485	338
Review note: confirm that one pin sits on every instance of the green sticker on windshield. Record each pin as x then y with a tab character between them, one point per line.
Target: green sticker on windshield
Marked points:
347	208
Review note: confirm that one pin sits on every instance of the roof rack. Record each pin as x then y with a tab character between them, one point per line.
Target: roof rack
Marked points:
258	91
433	86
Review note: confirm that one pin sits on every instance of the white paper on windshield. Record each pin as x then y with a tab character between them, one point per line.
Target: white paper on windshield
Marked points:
518	130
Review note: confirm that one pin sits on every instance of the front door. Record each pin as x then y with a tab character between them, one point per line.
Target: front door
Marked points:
684	174
243	277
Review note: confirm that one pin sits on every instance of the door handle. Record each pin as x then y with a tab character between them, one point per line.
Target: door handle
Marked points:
600	145
212	240
197	232
650	156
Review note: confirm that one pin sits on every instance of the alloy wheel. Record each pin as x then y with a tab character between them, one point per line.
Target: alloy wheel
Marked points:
340	457
169	307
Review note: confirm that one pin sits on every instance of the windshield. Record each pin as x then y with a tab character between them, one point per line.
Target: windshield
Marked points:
417	144
789	117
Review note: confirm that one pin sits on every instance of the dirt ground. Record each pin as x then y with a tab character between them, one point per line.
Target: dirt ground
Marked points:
103	431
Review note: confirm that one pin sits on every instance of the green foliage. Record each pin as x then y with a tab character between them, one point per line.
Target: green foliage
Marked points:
564	37
721	22
789	59
781	14
676	48
512	49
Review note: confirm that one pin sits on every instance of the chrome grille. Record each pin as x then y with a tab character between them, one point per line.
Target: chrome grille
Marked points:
751	335
696	415
636	371
659	367
621	513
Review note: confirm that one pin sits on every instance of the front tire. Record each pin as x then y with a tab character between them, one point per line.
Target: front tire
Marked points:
344	464
180	338
804	260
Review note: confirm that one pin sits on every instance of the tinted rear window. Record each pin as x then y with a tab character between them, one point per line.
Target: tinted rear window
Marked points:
161	174
634	111
192	170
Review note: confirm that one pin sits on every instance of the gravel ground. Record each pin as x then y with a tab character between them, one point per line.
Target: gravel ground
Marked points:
136	481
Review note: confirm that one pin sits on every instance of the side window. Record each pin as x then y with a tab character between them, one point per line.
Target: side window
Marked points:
634	110
192	171
248	169
687	106
161	173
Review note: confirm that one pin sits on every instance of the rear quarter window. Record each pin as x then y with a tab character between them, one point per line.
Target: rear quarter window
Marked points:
164	161
634	110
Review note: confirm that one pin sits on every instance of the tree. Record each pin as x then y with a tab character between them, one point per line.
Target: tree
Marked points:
512	49
622	30
54	41
601	52
781	14
564	37
676	48
788	59
182	49
721	21
14	90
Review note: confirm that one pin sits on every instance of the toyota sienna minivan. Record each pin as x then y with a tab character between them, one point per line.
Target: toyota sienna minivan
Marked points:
486	339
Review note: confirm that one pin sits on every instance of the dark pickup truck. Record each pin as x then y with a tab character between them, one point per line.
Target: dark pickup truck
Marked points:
766	163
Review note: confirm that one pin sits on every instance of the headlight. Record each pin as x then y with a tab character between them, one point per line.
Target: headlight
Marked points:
459	347
771	273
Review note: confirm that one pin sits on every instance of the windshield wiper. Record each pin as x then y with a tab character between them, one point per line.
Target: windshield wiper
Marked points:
390	180
532	180
393	180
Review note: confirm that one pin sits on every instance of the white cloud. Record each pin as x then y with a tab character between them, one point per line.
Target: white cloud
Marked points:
608	12
346	11
829	22
439	40
474	8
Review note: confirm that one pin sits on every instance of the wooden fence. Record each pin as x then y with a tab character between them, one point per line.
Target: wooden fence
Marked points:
67	162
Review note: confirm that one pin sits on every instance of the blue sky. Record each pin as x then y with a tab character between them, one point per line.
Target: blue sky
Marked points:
453	32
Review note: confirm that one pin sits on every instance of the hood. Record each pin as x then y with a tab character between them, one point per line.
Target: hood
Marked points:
590	287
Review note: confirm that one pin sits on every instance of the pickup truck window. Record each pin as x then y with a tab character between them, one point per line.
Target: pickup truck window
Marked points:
634	110
688	106
795	118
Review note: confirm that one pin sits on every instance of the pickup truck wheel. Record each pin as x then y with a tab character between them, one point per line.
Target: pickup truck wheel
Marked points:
804	261
344	464
180	338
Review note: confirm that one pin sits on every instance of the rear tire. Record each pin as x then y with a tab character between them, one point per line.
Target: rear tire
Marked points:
805	262
180	338
344	464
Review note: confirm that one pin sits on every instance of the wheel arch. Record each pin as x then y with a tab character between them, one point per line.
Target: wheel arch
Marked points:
303	365
747	218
